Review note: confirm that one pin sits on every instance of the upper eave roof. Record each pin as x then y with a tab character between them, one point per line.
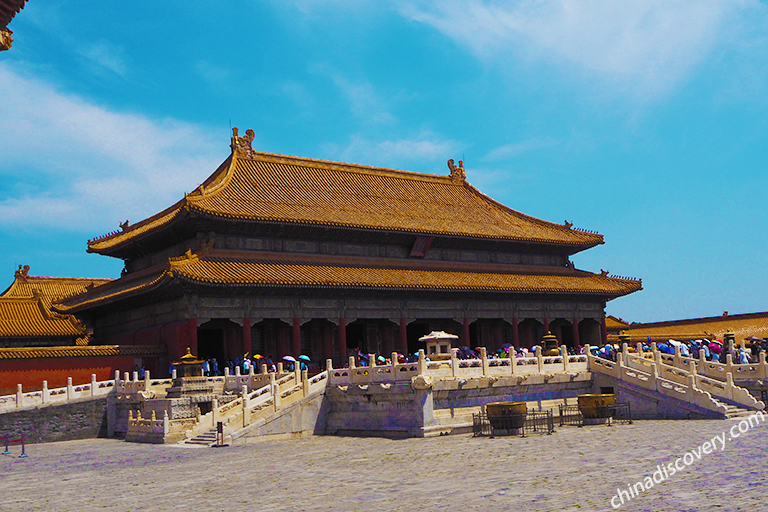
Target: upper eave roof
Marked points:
264	187
229	272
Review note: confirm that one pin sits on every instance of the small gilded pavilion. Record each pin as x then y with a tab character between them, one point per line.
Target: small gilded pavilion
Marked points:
278	254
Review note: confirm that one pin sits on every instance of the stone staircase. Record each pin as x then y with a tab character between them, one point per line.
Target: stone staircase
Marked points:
733	411
205	439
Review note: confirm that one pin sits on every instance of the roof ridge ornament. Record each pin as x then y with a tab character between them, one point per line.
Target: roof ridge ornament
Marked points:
23	272
242	145
457	173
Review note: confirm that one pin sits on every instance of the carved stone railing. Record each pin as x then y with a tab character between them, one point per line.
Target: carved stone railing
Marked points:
454	367
44	396
686	385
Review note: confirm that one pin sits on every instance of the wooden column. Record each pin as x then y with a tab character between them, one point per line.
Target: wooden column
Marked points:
546	326
403	336
246	346
296	348
575	328
465	332
515	333
343	339
191	336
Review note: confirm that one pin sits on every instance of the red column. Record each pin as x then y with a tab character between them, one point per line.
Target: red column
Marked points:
246	347
515	333
343	339
546	325
465	332
575	327
191	336
603	331
296	336
403	335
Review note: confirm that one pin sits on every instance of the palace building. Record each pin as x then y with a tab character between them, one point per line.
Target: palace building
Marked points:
277	255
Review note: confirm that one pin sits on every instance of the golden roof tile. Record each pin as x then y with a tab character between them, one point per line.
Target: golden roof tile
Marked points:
75	351
266	187
751	324
25	307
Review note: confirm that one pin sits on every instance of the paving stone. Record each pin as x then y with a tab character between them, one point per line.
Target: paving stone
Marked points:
572	469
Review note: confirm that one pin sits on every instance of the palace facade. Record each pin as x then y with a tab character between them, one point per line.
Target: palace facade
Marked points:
277	255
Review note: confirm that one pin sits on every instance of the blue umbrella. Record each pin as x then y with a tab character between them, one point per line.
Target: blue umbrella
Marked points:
302	357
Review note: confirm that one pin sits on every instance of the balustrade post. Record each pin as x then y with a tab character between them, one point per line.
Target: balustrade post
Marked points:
639	349
454	362
93	384
678	356
70	389
729	363
275	395
135	376
691	387
619	365
351	362
244	395
264	369
484	360
654	349
117	377
692	367
654	376
214	411
226	371
625	350
763	373
280	367
329	366
166	423
147	379
127	377
297	374
656	355
371	360
174	374
729	385
19	395
237	370
422	364
305	382
564	352
45	393
539	359
251	370
394	364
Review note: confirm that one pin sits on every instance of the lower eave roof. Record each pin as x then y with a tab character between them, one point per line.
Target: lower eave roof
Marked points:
230	273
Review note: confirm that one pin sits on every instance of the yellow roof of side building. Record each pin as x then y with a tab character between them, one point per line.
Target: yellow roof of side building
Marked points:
25	307
264	187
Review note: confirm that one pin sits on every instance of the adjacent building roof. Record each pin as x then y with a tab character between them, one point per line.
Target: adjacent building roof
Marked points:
216	271
25	307
9	9
263	187
743	326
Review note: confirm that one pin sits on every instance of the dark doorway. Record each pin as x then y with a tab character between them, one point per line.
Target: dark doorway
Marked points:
210	344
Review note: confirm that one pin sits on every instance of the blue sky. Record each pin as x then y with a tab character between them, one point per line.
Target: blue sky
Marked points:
646	121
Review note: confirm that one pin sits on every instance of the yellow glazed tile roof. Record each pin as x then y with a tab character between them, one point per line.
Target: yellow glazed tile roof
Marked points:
753	324
265	187
25	307
90	351
247	273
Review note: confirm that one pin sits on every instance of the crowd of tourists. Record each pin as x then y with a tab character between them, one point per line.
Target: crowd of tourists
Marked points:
712	350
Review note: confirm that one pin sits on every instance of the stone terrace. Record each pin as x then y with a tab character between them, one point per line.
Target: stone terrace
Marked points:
573	469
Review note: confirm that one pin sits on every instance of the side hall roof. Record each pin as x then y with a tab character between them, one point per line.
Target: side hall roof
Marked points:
25	307
210	270
253	186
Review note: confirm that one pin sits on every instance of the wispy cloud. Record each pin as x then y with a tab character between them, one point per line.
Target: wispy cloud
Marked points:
424	147
646	47
213	73
365	103
518	148
73	164
105	56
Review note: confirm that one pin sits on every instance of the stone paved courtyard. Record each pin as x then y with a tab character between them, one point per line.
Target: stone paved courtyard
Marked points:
572	469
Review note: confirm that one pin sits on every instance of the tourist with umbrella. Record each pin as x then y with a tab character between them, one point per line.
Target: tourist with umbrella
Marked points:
303	362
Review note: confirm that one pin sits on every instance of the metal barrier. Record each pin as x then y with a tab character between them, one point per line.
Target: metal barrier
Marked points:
9	441
532	422
571	414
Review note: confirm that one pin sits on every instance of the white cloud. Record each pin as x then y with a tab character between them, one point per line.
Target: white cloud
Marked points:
424	147
364	102
105	56
73	164
518	148
644	46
